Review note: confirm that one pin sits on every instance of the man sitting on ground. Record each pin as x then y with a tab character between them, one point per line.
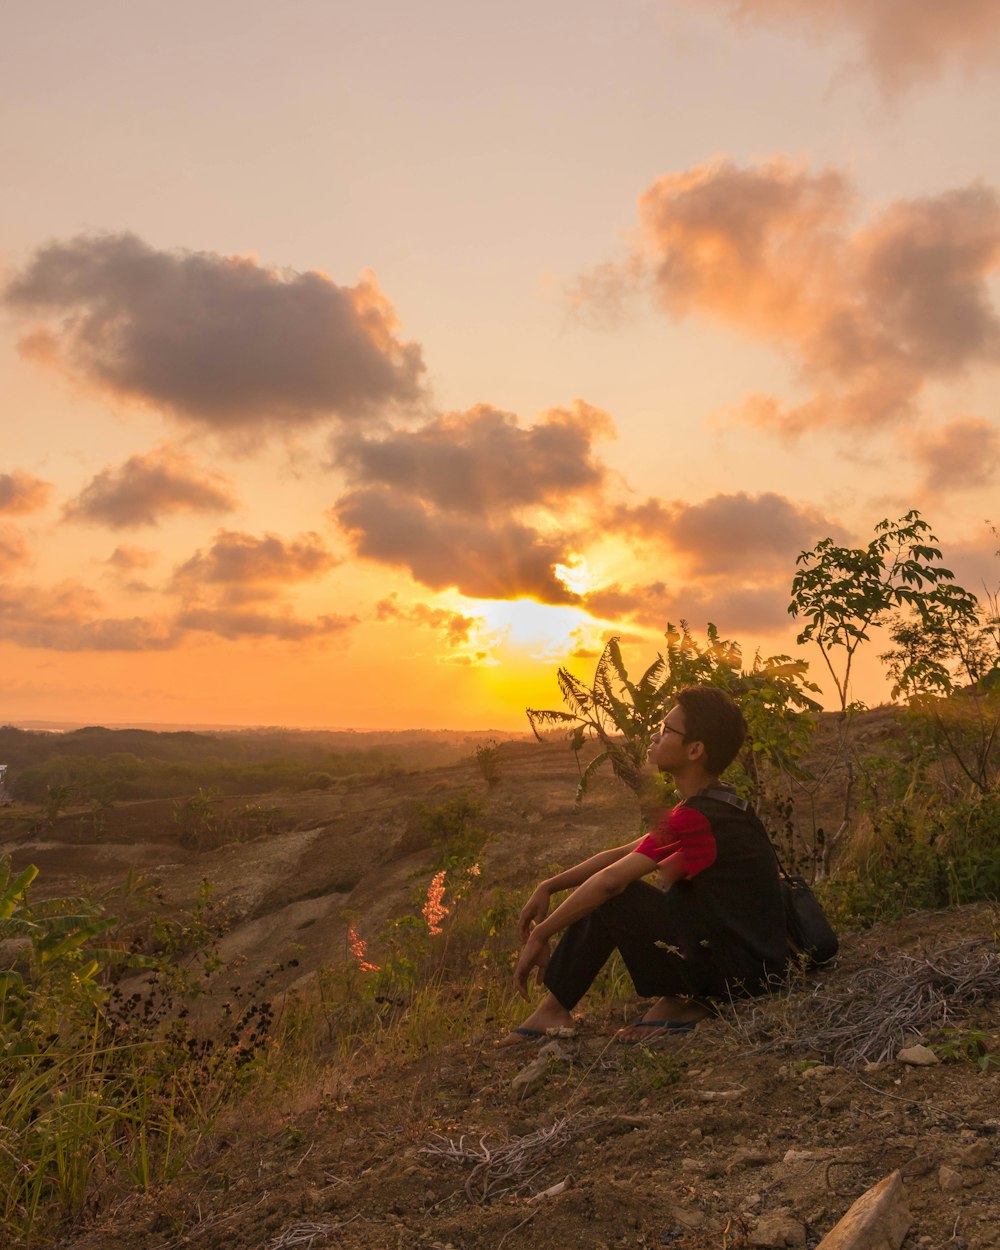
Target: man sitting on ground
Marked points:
715	926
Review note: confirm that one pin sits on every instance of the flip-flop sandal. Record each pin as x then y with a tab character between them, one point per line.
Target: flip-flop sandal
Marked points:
663	1026
534	1035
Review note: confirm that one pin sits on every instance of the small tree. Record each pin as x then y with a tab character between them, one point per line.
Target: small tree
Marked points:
946	664
487	756
843	593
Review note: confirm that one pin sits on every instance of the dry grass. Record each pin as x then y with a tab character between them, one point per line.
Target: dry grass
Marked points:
867	1017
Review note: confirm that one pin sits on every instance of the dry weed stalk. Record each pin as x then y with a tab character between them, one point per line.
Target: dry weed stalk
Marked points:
511	1166
305	1234
867	1018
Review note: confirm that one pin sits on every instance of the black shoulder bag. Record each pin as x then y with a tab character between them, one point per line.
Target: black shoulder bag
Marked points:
811	938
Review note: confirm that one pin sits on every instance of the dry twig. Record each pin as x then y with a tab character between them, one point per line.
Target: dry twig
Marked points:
511	1166
305	1234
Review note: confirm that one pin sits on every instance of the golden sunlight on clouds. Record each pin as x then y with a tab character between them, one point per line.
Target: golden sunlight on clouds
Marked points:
281	489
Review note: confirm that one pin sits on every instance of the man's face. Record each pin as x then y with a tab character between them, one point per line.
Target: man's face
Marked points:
668	748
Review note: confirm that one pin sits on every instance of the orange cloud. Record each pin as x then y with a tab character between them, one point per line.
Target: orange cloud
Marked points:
962	455
902	41
725	533
867	318
67	618
126	558
233	624
13	546
147	487
456	627
21	493
218	341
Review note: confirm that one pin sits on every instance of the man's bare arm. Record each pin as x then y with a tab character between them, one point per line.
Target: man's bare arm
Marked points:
537	907
613	879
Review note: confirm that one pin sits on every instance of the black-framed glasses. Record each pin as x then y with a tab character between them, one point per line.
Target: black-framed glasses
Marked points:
669	729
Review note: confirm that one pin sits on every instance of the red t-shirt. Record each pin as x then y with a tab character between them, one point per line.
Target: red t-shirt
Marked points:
682	831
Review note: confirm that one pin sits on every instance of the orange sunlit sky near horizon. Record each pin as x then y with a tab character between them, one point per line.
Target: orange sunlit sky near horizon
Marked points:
362	364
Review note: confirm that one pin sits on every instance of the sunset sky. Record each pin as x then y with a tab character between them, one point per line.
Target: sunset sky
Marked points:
360	364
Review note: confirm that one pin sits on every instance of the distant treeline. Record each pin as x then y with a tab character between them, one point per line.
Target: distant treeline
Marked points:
113	764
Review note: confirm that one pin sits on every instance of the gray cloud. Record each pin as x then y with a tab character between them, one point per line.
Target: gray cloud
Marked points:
902	41
147	487
455	626
21	493
220	341
245	560
483	558
735	609
233	624
962	455
726	533
482	460
867	318
457	502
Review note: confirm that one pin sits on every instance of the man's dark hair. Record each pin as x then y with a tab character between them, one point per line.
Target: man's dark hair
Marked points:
714	720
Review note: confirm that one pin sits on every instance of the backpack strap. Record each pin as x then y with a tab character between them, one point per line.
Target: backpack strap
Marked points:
734	800
724	796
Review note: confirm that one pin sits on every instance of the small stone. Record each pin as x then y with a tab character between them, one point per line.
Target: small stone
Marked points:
747	1157
977	1155
917	1056
778	1231
530	1078
689	1217
751	1201
798	1156
818	1073
950	1180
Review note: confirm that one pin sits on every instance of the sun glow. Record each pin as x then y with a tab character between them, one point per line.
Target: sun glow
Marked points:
576	577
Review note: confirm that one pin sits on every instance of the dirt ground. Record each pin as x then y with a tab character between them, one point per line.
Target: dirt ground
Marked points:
695	1143
700	1141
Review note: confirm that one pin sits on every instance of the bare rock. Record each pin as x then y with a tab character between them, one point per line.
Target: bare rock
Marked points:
978	1155
917	1056
950	1180
689	1217
798	1156
533	1074
747	1157
530	1077
879	1220
778	1230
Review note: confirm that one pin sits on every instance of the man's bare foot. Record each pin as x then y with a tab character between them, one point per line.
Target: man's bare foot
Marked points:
549	1014
667	1015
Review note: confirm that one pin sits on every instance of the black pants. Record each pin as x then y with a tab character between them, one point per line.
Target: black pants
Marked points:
633	921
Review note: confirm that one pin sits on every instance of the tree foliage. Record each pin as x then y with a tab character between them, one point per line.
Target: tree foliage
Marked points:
622	714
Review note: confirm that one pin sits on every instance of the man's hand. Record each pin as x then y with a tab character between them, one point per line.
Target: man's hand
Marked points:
533	912
535	955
